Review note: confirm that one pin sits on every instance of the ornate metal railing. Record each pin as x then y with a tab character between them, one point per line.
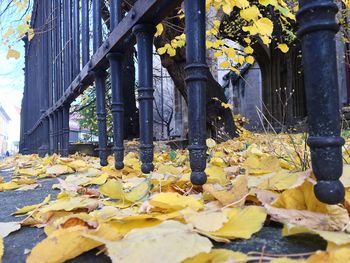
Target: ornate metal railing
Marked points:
59	67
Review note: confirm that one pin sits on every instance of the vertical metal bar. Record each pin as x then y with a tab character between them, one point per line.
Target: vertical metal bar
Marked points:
68	69
60	78
115	61
317	33
76	38
196	81
144	35
100	85
116	13
51	131
43	130
85	31
55	131
97	24
60	130
70	57
65	131
24	110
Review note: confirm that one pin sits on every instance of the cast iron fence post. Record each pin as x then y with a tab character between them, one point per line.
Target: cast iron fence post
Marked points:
101	114
65	129
115	62
144	35
317	33
51	134
196	80
100	75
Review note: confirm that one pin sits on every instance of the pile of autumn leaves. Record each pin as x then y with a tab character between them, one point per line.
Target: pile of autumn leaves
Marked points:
162	217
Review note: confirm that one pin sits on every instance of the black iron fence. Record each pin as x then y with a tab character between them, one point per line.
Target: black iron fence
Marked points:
59	68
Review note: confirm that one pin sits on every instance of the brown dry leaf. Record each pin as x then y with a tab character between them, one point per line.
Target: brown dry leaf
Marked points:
309	219
347	200
232	195
303	198
265	196
67	243
168	242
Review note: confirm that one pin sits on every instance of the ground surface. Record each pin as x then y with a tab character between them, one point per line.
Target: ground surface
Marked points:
19	243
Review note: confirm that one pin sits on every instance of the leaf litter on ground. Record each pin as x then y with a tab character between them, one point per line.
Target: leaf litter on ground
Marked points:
162	217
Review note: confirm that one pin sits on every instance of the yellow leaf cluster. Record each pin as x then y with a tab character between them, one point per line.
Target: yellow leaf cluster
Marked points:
127	213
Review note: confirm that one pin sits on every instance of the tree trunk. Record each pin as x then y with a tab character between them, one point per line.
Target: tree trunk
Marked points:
220	124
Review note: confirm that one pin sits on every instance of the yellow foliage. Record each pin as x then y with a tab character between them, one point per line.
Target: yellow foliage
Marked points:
174	202
218	256
169	242
242	223
67	243
1	248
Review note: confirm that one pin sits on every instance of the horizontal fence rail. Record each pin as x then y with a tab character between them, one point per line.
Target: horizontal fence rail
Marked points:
58	68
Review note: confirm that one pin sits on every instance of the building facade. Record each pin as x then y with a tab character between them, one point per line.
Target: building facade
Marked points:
4	124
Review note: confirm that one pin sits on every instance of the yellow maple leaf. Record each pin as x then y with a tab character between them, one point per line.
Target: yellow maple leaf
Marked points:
263	164
219	256
175	201
216	175
160	29
250	59
280	181
242	223
112	188
67	243
250	13
1	248
264	26
29	208
8	33
11	53
70	204
169	242
283	47
210	143
59	169
208	221
233	195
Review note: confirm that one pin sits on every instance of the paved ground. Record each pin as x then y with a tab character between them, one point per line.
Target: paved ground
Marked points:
268	239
